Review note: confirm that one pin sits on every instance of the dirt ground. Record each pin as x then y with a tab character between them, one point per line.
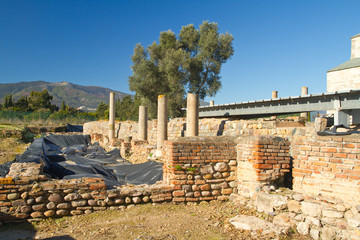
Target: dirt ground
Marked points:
142	222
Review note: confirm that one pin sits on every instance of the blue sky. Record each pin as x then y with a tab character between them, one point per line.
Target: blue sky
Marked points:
279	44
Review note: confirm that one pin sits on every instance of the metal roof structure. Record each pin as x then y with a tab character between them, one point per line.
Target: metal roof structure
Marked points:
340	100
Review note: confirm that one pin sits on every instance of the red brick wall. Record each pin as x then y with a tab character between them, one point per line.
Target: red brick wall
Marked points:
262	160
200	168
329	166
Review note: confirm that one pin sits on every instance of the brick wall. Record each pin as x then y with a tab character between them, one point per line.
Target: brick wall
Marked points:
200	168
327	166
262	160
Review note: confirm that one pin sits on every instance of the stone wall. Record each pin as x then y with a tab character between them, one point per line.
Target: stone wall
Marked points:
35	196
200	168
327	166
207	127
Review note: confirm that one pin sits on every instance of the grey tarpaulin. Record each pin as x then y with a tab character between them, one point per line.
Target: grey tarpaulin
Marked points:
73	156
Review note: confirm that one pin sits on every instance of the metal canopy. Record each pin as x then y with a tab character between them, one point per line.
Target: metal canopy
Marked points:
341	100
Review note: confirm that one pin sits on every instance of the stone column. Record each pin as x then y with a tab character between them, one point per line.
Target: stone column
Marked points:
212	103
143	123
274	94
162	120
192	115
112	116
304	92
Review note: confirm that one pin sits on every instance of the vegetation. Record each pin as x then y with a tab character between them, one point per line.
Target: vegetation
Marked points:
37	108
176	65
125	109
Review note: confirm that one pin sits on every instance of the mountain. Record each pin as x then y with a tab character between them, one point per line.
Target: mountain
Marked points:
74	95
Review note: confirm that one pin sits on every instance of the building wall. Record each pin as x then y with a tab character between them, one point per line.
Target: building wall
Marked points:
355	47
327	166
345	79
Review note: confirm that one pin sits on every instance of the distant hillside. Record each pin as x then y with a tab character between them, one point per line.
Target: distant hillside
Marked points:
74	95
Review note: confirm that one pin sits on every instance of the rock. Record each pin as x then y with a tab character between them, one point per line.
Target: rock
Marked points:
327	233
206	193
282	220
221	167
311	209
19	202
332	214
298	197
79	203
233	184
63	206
92	202
49	213
314	234
272	188
146	199
121	201
39	207
25	195
37	215
244	222
313	221
109	201
358	208
232	163
128	200
12	196
25	209
62	212
207	169
205	187
76	212
268	202
294	206
51	205
101	203
88	211
300	217
39	199
72	197
56	198
340	207
86	196
303	228
136	200
354	221
214	187
218	175
30	201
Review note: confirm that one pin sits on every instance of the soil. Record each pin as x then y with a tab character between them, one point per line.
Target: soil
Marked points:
143	222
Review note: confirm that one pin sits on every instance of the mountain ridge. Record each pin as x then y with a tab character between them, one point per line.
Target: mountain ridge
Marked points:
73	94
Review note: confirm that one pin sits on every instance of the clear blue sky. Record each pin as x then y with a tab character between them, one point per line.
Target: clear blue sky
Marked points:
279	45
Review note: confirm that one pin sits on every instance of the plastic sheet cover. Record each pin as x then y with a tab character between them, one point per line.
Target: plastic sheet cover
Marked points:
73	156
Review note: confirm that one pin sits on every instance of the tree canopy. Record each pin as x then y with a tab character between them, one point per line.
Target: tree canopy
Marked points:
176	65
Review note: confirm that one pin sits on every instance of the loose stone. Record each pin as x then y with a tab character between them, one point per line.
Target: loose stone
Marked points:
37	215
72	197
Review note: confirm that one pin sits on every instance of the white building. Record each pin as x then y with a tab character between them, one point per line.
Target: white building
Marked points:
346	76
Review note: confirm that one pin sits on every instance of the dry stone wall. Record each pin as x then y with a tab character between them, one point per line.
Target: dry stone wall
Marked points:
38	197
